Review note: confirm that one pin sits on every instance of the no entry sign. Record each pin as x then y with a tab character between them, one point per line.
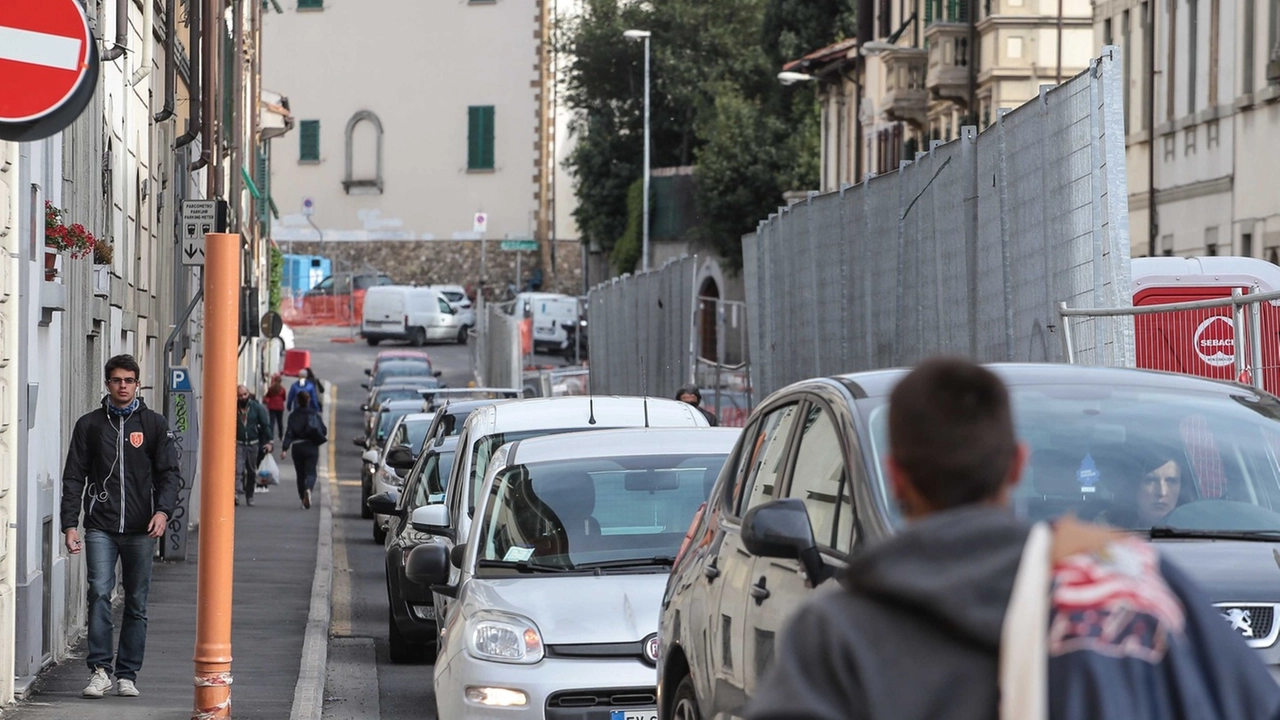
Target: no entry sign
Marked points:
48	67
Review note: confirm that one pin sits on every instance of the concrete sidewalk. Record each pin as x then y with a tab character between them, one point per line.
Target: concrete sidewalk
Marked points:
275	571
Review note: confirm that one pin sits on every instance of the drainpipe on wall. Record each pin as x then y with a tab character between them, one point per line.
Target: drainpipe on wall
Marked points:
148	41
1153	226
210	18
196	98
122	32
170	61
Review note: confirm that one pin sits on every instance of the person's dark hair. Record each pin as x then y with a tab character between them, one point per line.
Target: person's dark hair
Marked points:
304	399
689	390
122	362
315	380
951	432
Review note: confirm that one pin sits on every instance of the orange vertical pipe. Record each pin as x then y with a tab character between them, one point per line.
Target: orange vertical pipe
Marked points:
217	468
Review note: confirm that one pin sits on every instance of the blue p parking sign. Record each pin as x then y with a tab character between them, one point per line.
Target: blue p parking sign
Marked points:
179	380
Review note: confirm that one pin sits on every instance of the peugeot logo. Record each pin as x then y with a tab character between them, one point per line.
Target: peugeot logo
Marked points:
1240	620
651	649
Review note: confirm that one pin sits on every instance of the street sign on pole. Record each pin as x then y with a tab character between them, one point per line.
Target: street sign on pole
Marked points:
308	207
184	423
480	222
199	218
519	245
48	67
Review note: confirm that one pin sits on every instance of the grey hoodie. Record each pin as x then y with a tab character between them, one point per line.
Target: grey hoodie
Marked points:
912	630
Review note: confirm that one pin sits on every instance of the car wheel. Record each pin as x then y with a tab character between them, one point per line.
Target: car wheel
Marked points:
365	492
401	650
379	535
462	335
419	337
685	704
373	342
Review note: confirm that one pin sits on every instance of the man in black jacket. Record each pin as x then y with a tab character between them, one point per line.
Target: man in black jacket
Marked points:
122	470
253	440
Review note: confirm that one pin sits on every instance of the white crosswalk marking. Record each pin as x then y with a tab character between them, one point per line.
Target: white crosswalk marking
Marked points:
36	48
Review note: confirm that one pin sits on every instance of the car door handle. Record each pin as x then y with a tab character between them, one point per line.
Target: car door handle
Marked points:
711	571
759	591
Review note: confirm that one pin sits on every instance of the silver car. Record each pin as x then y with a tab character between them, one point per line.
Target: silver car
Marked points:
563	572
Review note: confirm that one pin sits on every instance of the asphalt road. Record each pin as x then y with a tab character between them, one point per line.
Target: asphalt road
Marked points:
360	616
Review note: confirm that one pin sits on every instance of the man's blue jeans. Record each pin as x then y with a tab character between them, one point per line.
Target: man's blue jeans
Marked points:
135	551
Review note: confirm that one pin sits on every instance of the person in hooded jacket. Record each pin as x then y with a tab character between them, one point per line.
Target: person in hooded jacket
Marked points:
305	434
913	627
122	472
307	382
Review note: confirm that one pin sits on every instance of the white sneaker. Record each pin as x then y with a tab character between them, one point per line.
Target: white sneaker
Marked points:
99	684
126	688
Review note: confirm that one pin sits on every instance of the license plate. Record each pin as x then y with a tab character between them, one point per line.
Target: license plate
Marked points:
545	331
634	714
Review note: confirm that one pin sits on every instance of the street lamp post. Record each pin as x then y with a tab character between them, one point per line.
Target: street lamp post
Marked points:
644	35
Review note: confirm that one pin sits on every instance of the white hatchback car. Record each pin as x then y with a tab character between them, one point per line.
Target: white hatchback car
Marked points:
397	455
563	572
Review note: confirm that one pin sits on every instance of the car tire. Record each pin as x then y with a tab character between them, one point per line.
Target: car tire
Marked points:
684	706
373	342
462	335
419	337
402	651
379	535
365	492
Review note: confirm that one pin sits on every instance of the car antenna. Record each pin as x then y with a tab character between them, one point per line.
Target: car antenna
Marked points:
591	405
644	390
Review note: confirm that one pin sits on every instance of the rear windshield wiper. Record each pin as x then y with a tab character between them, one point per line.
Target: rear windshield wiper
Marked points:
1166	532
659	561
524	566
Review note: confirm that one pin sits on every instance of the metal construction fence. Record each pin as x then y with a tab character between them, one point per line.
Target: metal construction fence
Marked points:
1231	338
496	347
967	250
642	331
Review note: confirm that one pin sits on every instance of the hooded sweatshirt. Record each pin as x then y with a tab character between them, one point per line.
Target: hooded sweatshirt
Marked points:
912	631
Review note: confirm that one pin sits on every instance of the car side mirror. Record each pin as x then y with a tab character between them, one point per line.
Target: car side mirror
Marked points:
383	504
781	529
437	373
457	555
370	456
431	519
400	457
428	564
364	407
360	441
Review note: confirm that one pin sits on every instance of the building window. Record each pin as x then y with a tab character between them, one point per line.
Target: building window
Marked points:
1246	244
886	18
309	141
1211	241
364	153
1211	131
310	4
1189	142
480	137
1166	245
1273	255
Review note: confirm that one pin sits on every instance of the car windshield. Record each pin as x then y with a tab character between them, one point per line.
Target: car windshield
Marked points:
412	433
1138	458
615	511
401	368
398	393
486	446
452	295
387	419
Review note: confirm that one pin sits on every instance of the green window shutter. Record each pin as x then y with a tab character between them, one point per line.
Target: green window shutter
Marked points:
264	186
228	76
309	141
310	4
480	137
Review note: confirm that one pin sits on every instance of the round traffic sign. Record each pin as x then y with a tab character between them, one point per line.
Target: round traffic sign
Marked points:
45	56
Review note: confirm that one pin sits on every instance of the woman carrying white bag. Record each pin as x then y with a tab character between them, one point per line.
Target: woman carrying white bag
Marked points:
970	613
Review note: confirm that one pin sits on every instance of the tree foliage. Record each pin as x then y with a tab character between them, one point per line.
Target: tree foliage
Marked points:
715	100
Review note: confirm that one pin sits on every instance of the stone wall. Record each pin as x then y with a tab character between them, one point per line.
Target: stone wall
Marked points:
433	262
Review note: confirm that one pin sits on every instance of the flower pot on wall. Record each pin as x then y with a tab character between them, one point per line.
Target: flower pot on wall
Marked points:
50	264
101	280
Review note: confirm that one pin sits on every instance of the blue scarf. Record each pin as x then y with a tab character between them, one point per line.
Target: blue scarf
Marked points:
122	411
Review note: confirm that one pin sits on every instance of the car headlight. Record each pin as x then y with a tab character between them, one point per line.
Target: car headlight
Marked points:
504	637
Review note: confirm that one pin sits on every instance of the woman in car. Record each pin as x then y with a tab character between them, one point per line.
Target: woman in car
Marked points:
1143	501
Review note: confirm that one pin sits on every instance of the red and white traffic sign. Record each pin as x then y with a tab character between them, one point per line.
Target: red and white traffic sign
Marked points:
44	56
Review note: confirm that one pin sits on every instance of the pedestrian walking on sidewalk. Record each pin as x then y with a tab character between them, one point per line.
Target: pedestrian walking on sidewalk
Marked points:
253	440
307	383
274	400
305	434
693	396
970	613
122	471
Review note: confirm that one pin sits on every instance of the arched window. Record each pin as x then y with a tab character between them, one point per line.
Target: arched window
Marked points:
364	153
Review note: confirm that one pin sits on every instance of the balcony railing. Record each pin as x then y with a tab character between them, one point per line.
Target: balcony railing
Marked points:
949	57
906	96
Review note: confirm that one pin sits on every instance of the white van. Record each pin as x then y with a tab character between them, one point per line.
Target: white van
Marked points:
551	312
405	312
